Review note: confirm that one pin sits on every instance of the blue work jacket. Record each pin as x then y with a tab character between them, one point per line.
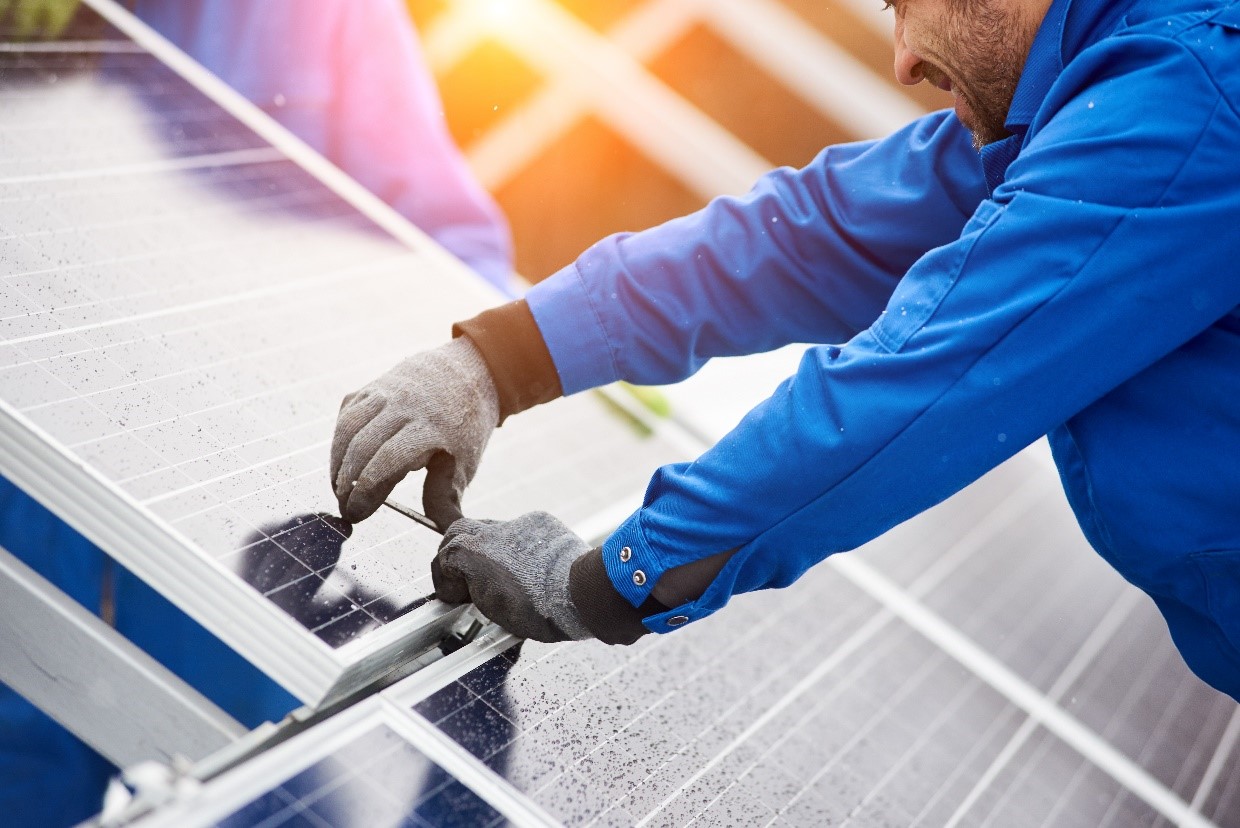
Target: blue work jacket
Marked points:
1080	278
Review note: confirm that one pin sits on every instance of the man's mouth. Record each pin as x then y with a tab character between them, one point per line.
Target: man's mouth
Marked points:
938	78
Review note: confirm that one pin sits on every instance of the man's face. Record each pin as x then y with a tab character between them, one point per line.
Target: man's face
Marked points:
975	49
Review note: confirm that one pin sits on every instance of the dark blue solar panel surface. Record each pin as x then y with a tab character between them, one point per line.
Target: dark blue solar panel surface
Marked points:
378	779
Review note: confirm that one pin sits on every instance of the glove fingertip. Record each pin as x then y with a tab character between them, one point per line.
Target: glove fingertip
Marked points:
357	507
440	499
451	589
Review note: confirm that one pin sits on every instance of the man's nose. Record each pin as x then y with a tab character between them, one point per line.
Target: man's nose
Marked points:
908	66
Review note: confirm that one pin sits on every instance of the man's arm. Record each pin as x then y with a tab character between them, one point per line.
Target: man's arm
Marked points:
1082	271
808	255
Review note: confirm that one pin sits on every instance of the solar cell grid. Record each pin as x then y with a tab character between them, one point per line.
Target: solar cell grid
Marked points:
183	309
1035	608
1144	701
1032	597
1220	800
896	735
1048	784
816	705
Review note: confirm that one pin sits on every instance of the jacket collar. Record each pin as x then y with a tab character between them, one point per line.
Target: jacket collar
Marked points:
1070	27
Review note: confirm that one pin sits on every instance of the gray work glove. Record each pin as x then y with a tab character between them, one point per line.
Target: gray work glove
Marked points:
515	572
435	410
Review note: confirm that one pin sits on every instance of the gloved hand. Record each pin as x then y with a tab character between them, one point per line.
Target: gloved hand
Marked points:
36	19
516	572
435	410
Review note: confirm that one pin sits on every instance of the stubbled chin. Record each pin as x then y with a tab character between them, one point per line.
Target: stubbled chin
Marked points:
965	114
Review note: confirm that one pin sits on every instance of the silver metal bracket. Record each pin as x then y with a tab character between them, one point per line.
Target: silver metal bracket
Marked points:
91	679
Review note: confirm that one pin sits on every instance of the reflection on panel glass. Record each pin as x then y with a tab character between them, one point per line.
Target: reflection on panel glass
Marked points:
183	309
76	129
378	779
295	565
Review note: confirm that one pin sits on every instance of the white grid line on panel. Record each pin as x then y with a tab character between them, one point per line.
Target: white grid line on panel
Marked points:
908	689
439	748
232	158
1226	745
251	296
1024	499
1084	657
864	636
1169	721
1123	716
1054	718
320	446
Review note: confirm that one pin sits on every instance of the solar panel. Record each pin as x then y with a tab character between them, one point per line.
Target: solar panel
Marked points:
827	704
184	305
186	294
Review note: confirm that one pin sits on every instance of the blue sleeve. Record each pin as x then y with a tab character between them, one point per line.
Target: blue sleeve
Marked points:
809	255
1086	267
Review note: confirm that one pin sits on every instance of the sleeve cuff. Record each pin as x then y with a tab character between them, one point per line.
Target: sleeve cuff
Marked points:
572	326
609	617
515	354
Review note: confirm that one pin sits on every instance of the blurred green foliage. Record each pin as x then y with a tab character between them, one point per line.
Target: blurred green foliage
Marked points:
36	19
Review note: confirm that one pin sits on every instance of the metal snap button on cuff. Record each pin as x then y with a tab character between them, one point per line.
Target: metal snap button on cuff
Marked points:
625	554
639	578
677	620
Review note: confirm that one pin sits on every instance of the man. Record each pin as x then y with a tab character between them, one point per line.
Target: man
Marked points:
347	77
1058	255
